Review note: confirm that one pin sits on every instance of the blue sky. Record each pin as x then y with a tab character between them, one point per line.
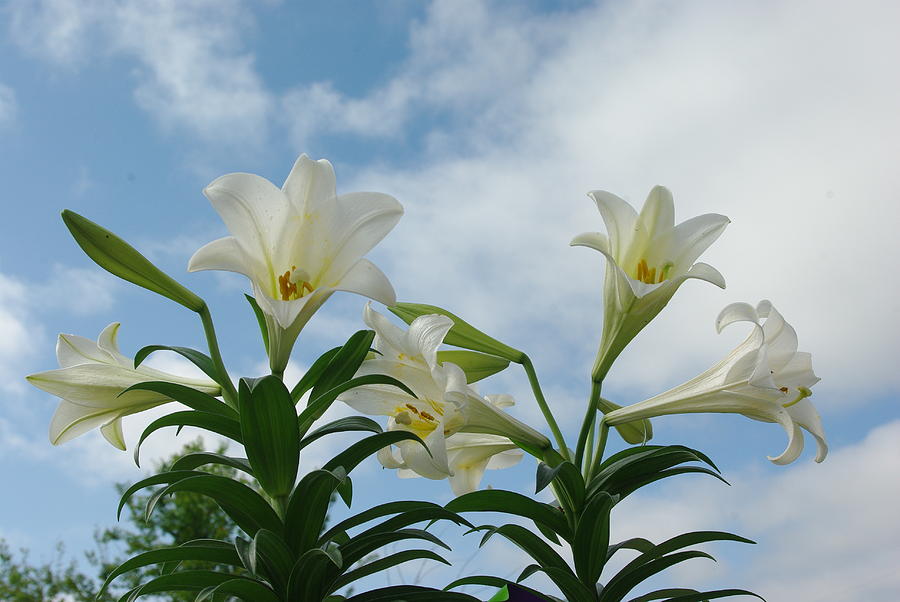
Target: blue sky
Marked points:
489	122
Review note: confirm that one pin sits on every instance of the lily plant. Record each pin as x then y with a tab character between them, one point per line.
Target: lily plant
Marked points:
300	243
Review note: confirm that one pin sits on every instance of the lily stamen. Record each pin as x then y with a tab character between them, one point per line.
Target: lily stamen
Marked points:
289	281
803	393
647	275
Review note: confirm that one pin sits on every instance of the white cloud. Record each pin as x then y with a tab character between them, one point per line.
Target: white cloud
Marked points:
81	291
193	73
805	518
19	333
779	115
8	105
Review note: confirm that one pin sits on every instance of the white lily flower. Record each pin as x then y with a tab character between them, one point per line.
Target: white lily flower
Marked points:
468	456
91	376
298	244
648	258
444	404
764	378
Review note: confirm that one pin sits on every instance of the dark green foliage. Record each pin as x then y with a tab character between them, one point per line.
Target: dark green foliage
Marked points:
583	519
280	550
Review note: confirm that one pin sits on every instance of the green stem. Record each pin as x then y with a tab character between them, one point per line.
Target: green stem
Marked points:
229	394
545	409
588	422
601	448
589	449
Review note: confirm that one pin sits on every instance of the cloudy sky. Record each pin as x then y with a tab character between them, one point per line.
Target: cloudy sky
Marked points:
489	121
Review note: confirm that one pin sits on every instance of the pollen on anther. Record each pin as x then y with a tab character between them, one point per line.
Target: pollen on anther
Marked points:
426	416
413	409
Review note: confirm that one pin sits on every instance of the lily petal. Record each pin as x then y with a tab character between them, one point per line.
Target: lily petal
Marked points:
592	240
364	278
223	254
620	219
361	221
72	350
253	210
309	183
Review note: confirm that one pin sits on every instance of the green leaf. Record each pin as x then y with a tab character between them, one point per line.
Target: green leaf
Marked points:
261	320
312	376
713	594
199	359
343	425
121	259
213	554
246	507
364	448
531	544
376	512
476	366
157	479
569	481
630	469
591	544
214	423
197	459
270	433
385	563
572	589
194	399
462	334
184	581
308	507
490	581
345	362
664	594
497	500
243	588
627	579
274	558
410	593
362	545
638	544
411	517
319	403
312	576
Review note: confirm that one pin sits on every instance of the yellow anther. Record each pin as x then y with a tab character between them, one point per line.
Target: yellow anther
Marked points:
648	275
802	393
412	409
288	284
427	416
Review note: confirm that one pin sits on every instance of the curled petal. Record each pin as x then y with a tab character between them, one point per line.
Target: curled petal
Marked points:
795	439
593	240
418	459
72	350
426	333
388	459
736	312
112	432
804	413
704	271
364	278
222	254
